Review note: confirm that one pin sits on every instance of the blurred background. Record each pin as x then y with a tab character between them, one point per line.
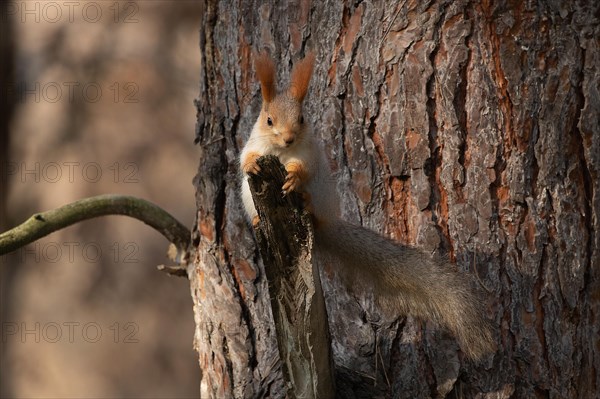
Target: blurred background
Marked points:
97	97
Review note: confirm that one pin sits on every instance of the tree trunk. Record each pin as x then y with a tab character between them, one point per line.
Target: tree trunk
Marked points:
459	127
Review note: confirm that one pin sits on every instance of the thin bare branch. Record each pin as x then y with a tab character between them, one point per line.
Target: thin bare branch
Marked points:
44	223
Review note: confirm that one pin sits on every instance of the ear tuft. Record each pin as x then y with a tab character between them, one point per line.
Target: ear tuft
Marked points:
265	70
300	78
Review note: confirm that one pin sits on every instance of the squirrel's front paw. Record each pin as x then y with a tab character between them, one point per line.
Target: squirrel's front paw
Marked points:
295	177
250	166
292	183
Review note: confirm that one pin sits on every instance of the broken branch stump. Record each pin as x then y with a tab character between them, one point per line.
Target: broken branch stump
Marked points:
285	238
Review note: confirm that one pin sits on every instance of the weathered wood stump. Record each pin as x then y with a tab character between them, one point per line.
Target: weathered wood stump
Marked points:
285	237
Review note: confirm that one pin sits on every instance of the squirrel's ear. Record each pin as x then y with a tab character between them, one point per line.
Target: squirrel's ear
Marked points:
265	70
300	77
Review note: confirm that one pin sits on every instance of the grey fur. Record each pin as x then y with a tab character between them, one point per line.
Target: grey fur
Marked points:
406	280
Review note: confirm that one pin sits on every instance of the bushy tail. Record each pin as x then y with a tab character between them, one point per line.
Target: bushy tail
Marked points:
408	281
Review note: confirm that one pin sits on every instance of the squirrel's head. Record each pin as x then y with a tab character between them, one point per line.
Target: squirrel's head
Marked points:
281	114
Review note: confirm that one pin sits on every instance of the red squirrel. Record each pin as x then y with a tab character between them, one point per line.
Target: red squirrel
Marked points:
403	279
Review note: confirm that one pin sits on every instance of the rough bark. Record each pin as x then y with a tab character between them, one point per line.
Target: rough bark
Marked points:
470	128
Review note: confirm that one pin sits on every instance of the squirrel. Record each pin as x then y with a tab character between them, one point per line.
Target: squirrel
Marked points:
403	279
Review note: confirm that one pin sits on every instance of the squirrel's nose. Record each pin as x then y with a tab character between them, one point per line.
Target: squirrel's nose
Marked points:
288	140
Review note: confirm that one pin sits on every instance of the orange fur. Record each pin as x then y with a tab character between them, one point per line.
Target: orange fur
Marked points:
297	175
249	164
300	77
265	70
298	169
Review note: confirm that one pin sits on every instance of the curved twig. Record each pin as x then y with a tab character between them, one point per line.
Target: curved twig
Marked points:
44	223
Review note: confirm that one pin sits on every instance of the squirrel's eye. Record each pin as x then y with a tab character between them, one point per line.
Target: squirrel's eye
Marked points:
301	119
269	121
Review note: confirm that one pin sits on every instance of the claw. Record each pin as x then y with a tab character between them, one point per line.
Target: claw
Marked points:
292	183
296	177
250	166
